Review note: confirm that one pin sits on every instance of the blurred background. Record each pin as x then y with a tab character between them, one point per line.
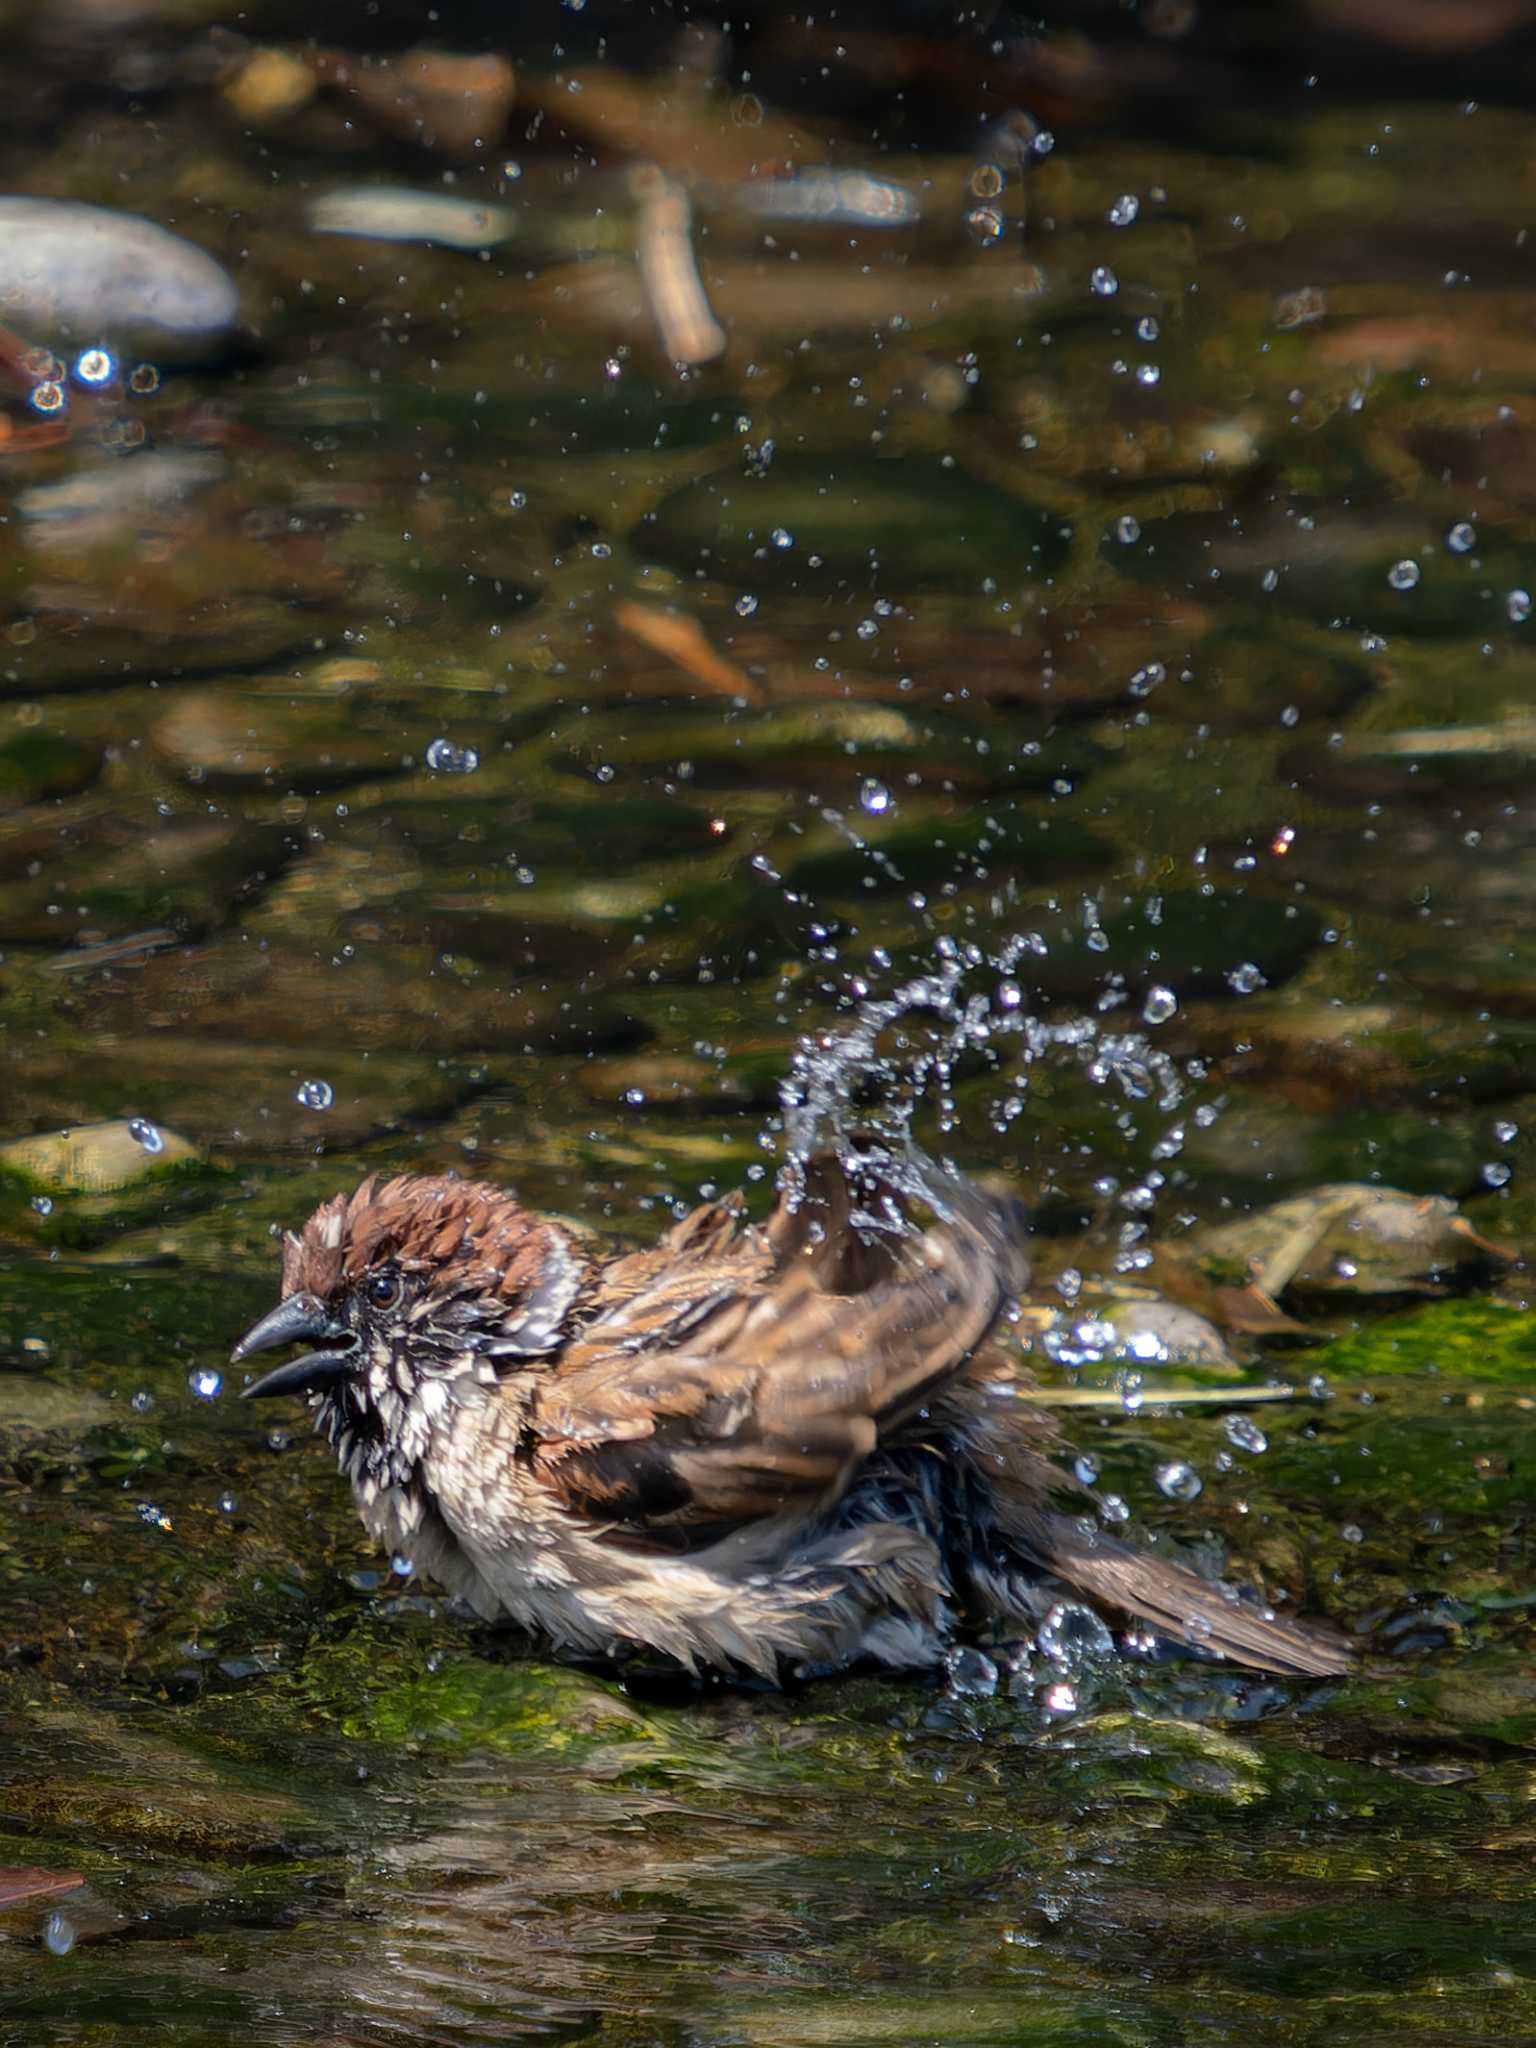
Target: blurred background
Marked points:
587	594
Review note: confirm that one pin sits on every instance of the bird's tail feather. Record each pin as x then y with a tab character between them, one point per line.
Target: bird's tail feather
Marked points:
1181	1603
1073	1549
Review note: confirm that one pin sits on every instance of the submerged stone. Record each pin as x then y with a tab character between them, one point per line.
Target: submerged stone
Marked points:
78	272
94	1158
908	524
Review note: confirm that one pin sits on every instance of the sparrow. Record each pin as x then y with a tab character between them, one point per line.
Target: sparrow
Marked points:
772	1449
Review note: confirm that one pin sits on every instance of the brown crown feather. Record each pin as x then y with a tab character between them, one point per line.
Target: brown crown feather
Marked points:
421	1222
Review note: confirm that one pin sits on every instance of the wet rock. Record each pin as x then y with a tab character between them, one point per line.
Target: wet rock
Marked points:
97	502
1238	681
828	747
1224	943
39	763
660	1082
82	1186
75	272
91	883
35	1406
227	740
1336	1057
237	1098
1422	764
906	525
1162	1332
382	999
95	1158
974	847
1376	568
480	839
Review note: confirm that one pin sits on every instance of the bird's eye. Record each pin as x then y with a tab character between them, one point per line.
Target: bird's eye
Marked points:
383	1289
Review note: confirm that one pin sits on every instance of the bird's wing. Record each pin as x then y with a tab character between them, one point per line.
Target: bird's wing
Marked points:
749	1371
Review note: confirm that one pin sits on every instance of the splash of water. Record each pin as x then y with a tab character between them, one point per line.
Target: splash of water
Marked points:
871	1075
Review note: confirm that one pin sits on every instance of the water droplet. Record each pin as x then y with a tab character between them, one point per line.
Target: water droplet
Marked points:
1244	980
971	1673
1517	607
746	606
782	537
152	1516
1059	1698
95	367
1245	1434
402	1566
141	1402
43	1205
1085	1468
1506	1132
1352	1532
1497	1173
1128	530
1070	1632
227	1503
205	1383
874	797
1103	283
1148	374
444	758
1009	995
986	225
1122	211
1462	538
1114	1509
1147	329
315	1094
1160	1005
1178	1480
58	1935
144	1133
1404	575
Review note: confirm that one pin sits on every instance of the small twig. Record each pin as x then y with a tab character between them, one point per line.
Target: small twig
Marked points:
1164	1397
669	271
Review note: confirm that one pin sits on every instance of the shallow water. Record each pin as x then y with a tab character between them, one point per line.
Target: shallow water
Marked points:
459	737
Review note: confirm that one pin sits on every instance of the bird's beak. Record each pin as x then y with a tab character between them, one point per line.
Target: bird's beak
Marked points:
301	1318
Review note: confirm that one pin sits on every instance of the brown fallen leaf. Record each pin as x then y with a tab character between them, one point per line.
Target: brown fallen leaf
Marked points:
1252	1311
1248	1309
682	641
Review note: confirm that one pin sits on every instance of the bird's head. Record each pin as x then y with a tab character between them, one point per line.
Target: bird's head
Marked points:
414	1291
